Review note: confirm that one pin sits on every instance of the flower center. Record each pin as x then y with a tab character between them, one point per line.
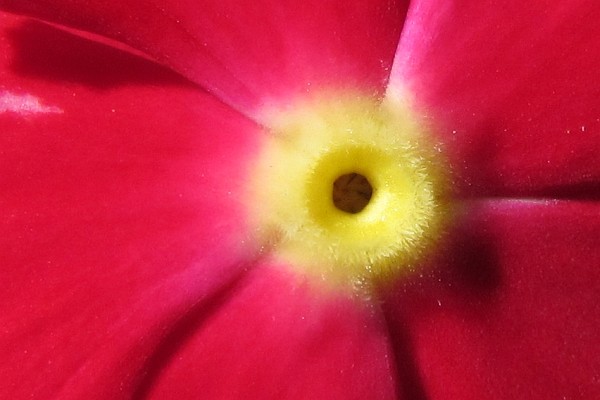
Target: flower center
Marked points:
349	190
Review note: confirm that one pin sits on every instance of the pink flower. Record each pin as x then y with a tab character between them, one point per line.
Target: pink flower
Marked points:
128	267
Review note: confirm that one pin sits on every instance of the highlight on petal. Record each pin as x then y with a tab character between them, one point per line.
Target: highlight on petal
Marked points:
513	89
512	311
250	54
120	215
24	104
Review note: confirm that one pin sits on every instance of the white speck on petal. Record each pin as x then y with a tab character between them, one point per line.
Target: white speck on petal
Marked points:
24	104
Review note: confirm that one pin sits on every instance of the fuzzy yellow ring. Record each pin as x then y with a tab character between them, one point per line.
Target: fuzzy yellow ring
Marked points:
292	189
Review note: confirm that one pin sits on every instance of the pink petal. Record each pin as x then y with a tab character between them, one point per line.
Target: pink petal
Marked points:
121	215
279	337
514	89
515	314
251	54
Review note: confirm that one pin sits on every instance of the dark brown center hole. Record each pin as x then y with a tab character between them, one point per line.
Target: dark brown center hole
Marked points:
351	193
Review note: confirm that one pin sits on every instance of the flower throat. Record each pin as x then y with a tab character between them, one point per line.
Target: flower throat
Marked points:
351	192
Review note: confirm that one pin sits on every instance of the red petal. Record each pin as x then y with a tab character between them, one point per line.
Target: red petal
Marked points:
514	89
518	316
254	53
278	337
121	213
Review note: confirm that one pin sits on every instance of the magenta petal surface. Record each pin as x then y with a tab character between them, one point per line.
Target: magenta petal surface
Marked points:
513	89
278	337
121	214
513	311
251	54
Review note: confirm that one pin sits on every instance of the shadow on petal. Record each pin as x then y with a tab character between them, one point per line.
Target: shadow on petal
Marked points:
465	266
45	52
180	333
410	384
464	274
472	264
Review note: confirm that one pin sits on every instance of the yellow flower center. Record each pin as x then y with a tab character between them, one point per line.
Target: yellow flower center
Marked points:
349	190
